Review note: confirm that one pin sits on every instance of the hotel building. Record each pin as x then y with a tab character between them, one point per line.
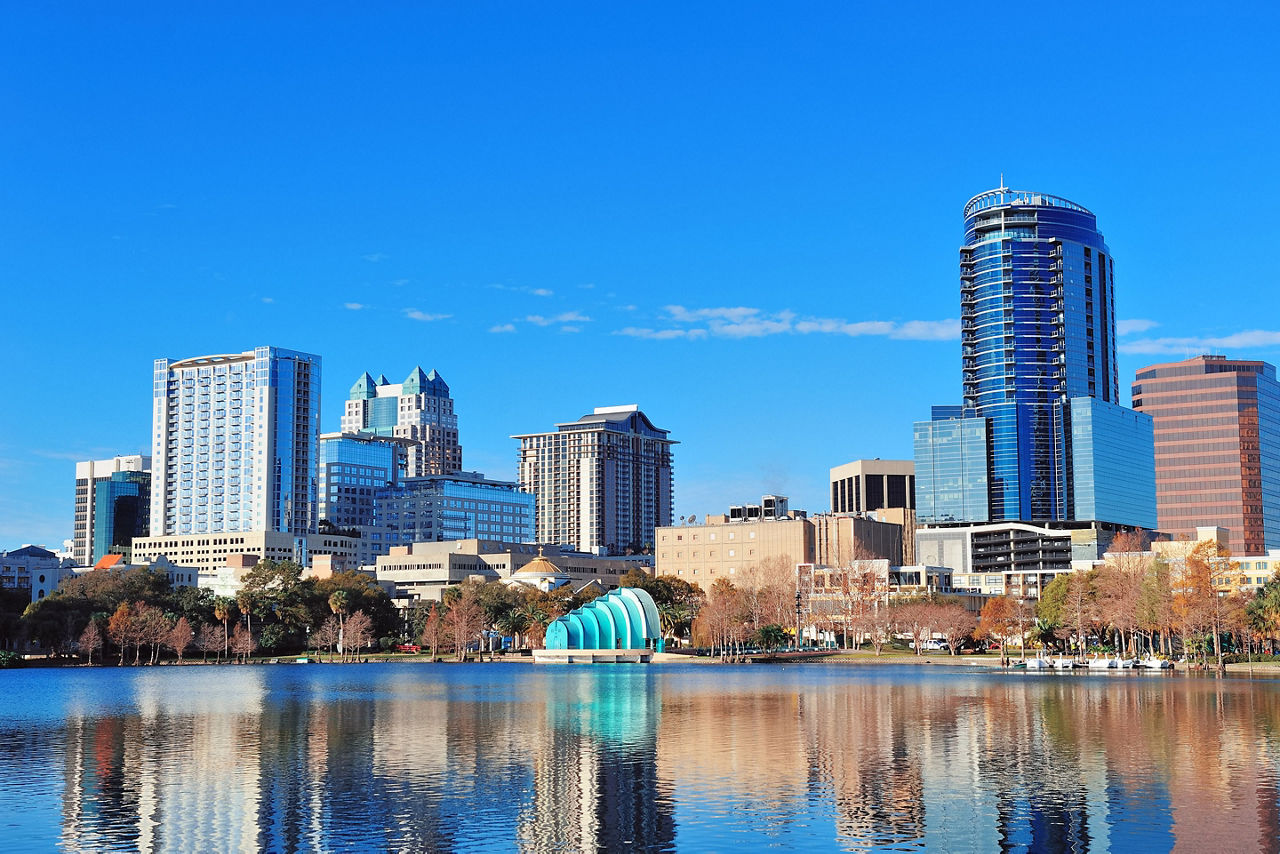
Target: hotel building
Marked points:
602	483
234	443
1217	441
1040	436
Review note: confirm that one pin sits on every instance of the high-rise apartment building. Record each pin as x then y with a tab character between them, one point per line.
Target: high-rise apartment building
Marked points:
113	505
1041	435
418	409
1217	433
234	443
602	483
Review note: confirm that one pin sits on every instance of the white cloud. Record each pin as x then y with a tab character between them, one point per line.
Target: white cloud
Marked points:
542	292
1133	325
415	314
522	289
1193	345
661	334
268	300
399	283
376	257
570	328
353	306
503	327
564	317
588	286
749	322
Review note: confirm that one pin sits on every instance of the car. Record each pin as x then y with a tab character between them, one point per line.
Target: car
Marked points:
931	645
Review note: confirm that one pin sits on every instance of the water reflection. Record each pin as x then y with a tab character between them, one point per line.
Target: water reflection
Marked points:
441	758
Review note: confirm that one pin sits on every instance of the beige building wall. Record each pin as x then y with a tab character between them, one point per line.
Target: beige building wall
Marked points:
208	553
722	549
841	538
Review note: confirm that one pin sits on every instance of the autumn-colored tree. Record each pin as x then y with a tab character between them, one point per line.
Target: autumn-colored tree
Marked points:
123	629
153	628
1207	592
180	637
1002	619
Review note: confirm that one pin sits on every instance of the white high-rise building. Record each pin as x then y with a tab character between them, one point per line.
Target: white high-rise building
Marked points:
234	443
129	471
602	483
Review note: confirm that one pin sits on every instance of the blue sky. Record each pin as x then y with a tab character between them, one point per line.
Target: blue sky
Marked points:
742	217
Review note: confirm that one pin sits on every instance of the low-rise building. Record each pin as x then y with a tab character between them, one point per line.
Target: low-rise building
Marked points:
33	568
208	553
421	571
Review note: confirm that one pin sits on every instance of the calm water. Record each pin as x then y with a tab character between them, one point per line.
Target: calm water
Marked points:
661	758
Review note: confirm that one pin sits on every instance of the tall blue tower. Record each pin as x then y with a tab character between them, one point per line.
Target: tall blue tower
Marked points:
1040	434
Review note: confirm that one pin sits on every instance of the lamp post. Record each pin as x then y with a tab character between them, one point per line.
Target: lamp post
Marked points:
798	629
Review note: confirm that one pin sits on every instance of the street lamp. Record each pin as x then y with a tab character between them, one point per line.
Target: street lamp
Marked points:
798	620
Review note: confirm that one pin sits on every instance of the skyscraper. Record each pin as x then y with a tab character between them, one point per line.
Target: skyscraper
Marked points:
113	501
602	483
1217	430
234	443
1040	435
418	409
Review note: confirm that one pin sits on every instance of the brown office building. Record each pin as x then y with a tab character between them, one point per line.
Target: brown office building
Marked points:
1217	434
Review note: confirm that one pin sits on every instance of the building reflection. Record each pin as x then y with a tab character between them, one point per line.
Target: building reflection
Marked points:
583	759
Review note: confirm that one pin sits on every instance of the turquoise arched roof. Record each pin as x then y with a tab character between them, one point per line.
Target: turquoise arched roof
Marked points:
628	615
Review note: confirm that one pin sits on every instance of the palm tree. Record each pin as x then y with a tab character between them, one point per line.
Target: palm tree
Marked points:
222	612
513	622
339	601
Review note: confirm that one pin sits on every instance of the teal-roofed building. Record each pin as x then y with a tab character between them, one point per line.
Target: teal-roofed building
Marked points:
620	626
418	410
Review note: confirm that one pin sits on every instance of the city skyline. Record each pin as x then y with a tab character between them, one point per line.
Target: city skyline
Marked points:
707	213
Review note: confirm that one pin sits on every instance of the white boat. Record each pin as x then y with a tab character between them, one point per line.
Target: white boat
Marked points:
1123	663
1103	663
1063	663
1038	664
1150	662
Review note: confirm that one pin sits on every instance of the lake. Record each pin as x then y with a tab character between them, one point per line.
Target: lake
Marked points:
518	757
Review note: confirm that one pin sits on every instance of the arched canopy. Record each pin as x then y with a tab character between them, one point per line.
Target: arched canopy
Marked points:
625	618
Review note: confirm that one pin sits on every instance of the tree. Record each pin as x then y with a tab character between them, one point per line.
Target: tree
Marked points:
1209	591
357	633
432	630
210	639
954	622
914	618
223	608
153	627
772	637
327	635
339	601
243	643
999	620
180	637
123	629
465	618
91	639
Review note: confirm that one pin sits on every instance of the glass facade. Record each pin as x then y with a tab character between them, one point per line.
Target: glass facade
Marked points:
951	466
122	511
1217	447
352	470
419	410
234	443
449	507
1113	463
1037	330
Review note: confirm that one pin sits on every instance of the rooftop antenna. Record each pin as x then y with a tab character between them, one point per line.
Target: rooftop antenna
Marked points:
1002	186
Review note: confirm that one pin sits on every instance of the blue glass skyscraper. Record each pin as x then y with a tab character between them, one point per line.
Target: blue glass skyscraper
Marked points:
1038	350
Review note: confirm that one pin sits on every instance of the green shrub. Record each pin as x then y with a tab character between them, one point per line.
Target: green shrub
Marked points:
10	659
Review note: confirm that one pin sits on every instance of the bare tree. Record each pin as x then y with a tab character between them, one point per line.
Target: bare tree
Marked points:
465	619
954	622
914	619
327	635
91	639
243	643
209	639
432	629
153	628
357	633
